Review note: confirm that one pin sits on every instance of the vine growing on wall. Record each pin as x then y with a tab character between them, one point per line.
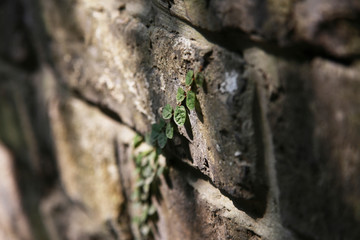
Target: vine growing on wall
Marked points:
164	129
149	168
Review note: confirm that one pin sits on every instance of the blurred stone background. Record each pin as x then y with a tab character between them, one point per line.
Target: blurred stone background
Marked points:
273	154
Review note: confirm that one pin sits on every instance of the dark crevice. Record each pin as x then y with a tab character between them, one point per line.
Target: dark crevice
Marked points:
104	109
207	58
122	7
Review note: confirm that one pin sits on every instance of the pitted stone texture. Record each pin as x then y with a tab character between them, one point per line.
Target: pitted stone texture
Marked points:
133	65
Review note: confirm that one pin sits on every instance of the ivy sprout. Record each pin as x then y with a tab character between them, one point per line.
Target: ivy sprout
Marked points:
189	78
169	131
167	111
190	100
180	115
147	162
162	139
199	79
148	169
158	134
162	131
180	96
138	139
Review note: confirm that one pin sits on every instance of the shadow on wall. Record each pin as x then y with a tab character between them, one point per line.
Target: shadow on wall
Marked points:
307	147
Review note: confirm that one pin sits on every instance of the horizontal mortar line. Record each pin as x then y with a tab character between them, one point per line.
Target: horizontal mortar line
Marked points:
102	108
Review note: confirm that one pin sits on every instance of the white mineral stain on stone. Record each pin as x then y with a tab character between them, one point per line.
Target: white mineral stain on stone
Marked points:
106	80
184	45
162	80
218	148
132	87
237	153
230	84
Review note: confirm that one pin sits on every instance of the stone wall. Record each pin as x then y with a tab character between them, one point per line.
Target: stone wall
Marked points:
271	152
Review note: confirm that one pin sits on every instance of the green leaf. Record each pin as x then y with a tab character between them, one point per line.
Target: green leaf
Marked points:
136	220
167	111
155	131
180	115
158	152
160	171
180	96
189	77
156	156
138	158
169	130
190	100
199	79
138	139
148	138
162	140
161	124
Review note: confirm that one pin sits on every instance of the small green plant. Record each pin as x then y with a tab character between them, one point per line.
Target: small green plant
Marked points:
148	169
148	166
188	94
163	130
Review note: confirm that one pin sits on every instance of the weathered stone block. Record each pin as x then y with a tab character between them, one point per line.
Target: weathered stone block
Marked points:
133	66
